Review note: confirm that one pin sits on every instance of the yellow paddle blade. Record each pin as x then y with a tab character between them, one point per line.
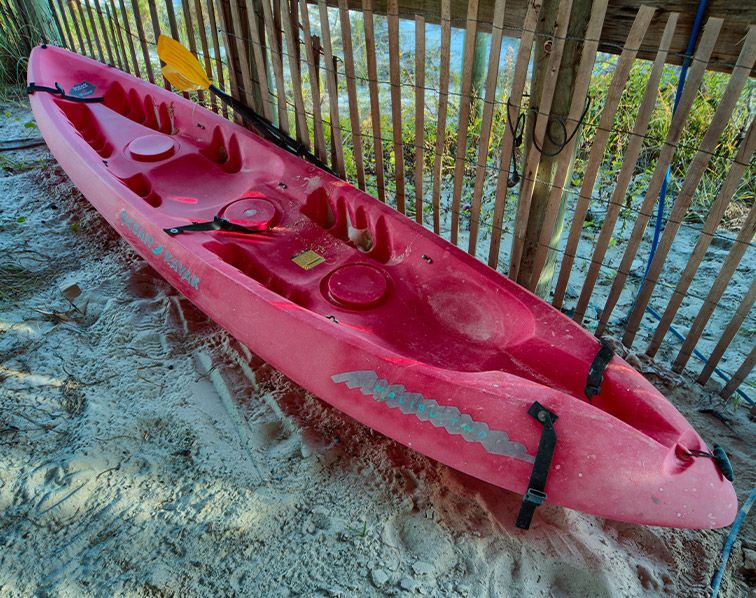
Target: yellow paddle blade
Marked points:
182	69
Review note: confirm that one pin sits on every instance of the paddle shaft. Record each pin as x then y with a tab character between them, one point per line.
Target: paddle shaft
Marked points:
268	130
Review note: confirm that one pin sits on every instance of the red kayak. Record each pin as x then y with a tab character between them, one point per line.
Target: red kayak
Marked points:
375	315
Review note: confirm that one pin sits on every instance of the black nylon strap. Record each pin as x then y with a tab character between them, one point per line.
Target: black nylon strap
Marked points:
270	131
216	223
58	90
536	495
596	371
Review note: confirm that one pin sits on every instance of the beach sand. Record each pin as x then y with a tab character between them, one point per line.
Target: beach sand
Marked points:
144	452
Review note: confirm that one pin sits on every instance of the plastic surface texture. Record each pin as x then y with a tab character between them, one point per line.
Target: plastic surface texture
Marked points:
369	311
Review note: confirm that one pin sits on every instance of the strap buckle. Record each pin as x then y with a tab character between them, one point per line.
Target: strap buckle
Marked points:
217	223
535	497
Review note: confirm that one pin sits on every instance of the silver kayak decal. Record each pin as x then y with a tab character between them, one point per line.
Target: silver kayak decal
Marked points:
427	410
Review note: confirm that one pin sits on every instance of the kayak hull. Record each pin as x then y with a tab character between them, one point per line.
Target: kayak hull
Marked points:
370	312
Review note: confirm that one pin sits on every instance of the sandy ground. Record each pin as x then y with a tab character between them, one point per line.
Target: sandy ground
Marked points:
144	452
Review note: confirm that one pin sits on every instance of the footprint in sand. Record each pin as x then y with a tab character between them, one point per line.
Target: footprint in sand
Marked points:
424	539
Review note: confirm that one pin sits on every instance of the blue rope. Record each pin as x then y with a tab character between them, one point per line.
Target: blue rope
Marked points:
717	579
680	85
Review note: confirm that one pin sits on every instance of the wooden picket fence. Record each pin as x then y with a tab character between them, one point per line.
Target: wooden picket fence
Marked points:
285	58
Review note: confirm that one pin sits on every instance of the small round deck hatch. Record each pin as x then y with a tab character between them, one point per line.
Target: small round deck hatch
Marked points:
358	286
151	148
252	211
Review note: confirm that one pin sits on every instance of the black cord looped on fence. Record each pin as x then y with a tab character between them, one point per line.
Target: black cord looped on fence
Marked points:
518	131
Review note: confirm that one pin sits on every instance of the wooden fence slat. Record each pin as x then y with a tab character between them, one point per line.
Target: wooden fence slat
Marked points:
105	39
129	37
219	77
695	173
739	376
71	43
190	35
236	74
274	44
259	56
724	341
93	29
337	158
375	109
443	105
317	116
616	202
84	27
718	287
716	213
118	47
173	24
601	137
507	142
695	75
354	108
419	115
530	171
492	77
465	101
77	29
142	40
577	108
396	101
58	26
241	49
156	32
205	48
292	46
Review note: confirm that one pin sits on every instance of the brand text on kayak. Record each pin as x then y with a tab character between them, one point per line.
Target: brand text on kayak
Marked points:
159	249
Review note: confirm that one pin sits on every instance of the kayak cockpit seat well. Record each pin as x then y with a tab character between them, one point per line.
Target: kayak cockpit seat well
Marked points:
350	223
140	109
83	122
225	153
